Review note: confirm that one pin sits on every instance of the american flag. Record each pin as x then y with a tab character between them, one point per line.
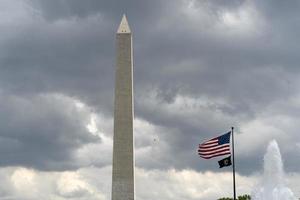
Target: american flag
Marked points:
218	146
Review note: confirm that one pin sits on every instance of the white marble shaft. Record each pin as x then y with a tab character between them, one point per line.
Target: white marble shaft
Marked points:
123	147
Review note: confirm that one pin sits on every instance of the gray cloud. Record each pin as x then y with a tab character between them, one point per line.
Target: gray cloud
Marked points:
42	131
227	60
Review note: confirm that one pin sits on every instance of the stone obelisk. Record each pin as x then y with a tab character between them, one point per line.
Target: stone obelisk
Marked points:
123	146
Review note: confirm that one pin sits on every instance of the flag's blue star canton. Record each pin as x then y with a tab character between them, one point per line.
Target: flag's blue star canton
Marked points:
224	139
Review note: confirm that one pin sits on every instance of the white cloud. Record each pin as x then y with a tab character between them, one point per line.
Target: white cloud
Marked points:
72	185
24	183
273	122
244	21
95	183
151	146
98	154
204	17
188	184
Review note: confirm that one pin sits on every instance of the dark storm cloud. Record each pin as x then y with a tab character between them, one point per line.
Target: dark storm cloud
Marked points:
57	9
41	131
64	56
182	49
248	73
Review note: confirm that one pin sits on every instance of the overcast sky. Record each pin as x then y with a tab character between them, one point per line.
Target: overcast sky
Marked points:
200	67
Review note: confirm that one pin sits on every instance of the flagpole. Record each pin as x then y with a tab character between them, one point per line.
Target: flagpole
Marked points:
233	165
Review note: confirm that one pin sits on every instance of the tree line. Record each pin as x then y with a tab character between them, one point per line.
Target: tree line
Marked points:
243	197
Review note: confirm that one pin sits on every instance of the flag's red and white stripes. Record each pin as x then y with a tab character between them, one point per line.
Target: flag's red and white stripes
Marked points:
211	149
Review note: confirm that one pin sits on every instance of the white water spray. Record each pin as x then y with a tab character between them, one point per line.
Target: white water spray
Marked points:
273	184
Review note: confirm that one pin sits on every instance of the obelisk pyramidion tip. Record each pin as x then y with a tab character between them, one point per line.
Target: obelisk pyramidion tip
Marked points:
124	27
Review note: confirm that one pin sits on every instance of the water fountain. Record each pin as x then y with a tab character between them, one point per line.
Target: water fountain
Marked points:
272	186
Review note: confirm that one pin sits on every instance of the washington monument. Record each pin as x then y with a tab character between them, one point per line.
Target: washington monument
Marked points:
123	146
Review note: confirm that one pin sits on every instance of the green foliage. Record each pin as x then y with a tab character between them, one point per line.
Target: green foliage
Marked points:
243	197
